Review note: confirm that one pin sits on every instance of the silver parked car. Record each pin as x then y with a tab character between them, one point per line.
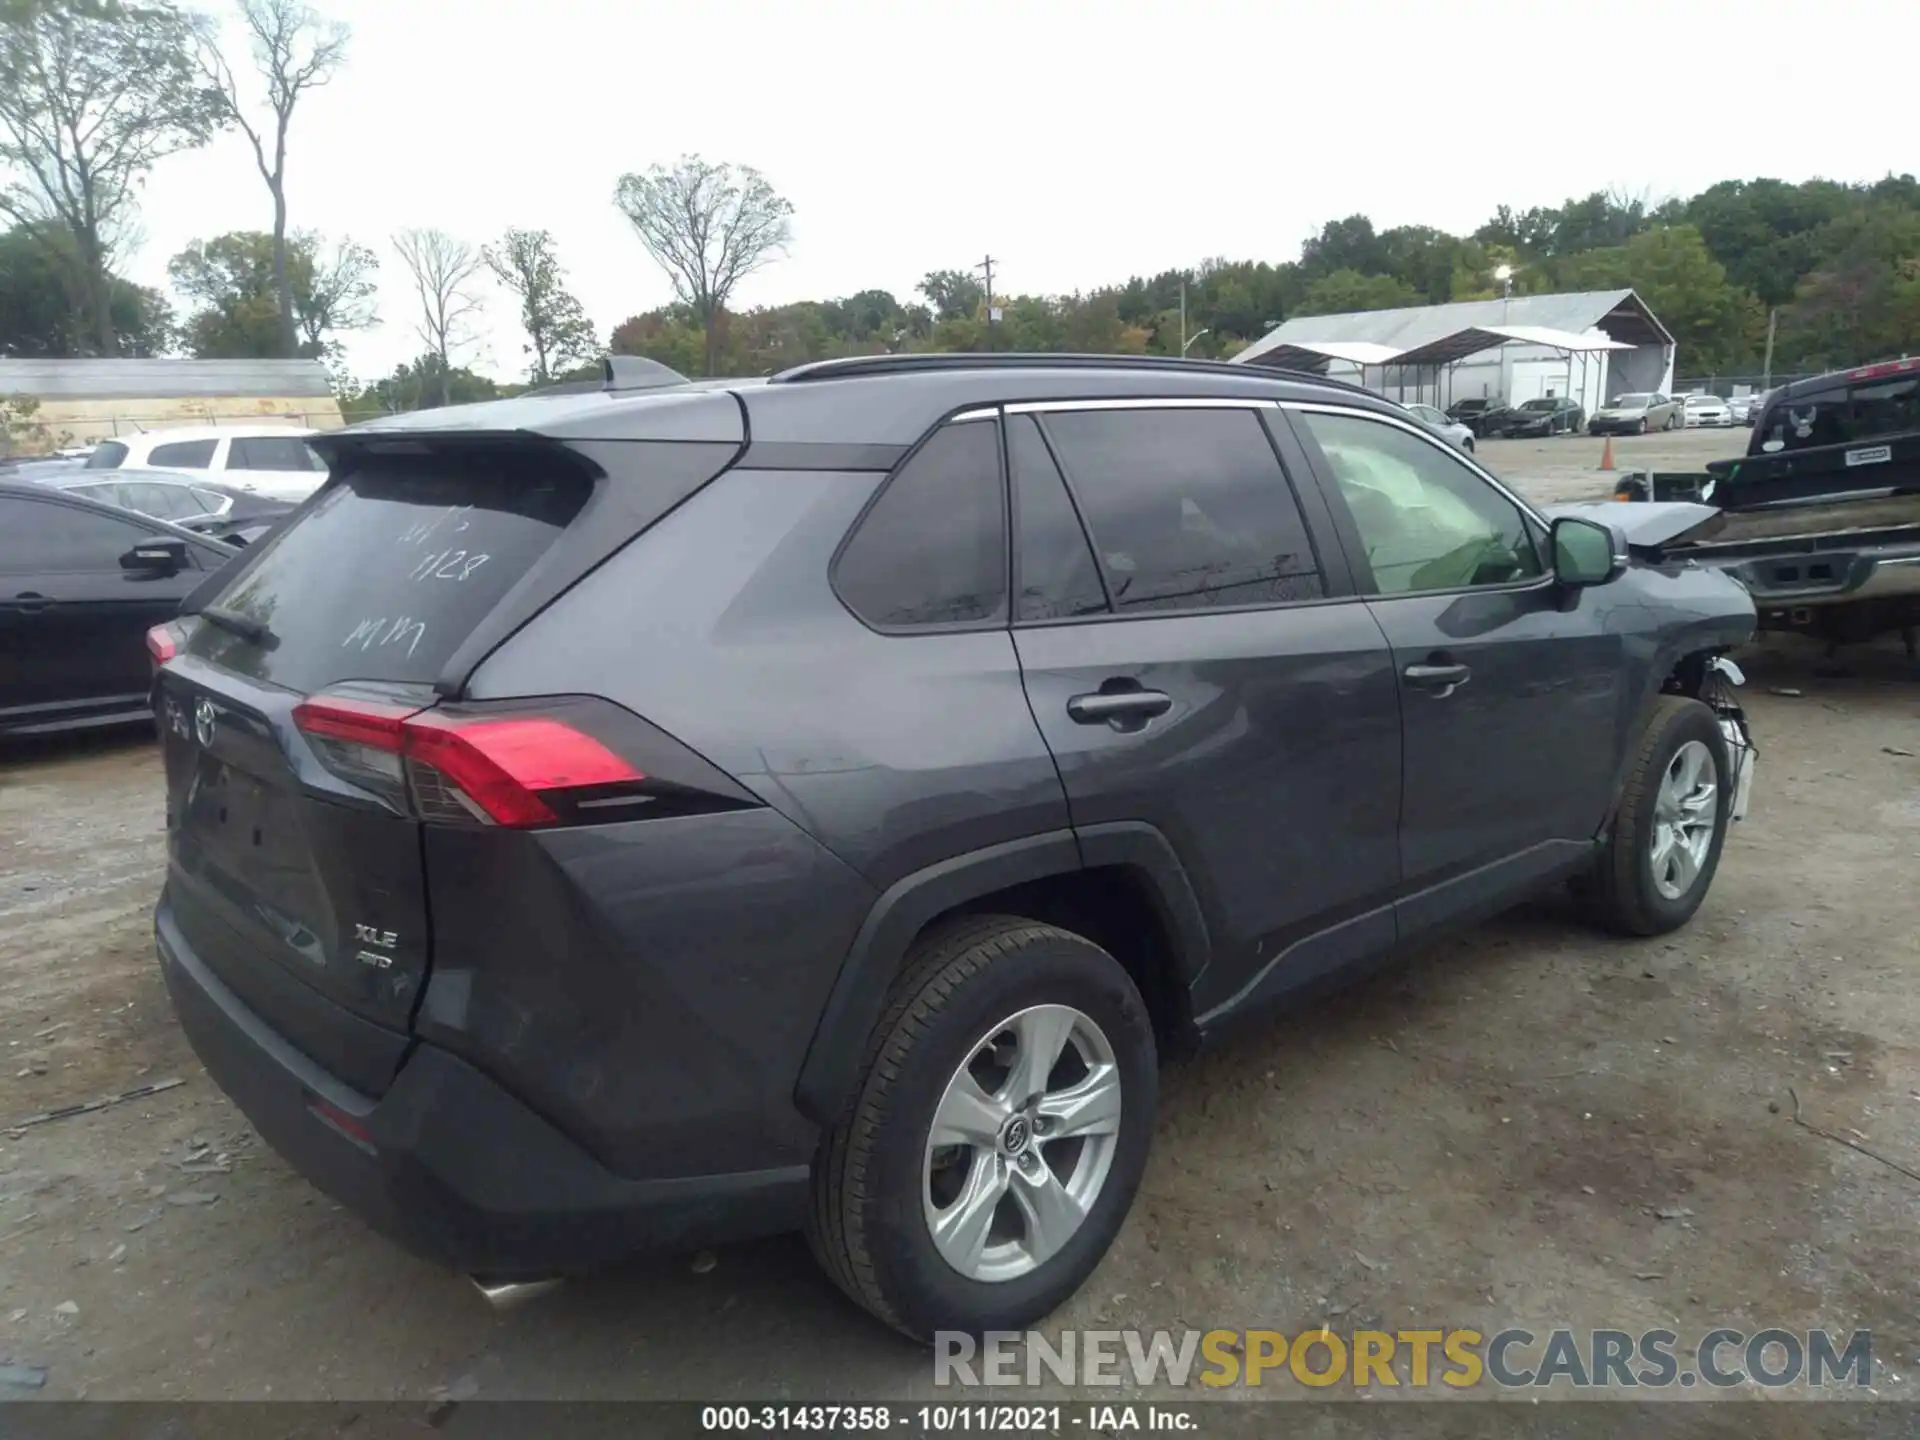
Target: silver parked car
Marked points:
1635	414
1451	430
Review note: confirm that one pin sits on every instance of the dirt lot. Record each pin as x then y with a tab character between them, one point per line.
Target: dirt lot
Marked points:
1487	1136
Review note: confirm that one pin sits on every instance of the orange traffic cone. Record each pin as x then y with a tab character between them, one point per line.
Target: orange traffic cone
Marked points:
1606	455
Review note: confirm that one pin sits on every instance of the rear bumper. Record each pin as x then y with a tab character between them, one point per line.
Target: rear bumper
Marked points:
1823	577
448	1163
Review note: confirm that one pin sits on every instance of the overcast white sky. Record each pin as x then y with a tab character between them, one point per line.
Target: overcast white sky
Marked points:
1078	143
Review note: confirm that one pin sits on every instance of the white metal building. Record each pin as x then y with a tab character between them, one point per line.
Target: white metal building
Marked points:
1592	345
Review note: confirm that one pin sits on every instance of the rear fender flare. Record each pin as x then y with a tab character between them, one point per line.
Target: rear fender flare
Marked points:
831	1068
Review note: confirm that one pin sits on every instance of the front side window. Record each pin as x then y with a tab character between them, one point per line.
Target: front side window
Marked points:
39	537
107	455
184	454
1425	520
932	550
1188	509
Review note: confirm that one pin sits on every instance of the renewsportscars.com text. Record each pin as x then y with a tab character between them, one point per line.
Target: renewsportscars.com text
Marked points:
1719	1358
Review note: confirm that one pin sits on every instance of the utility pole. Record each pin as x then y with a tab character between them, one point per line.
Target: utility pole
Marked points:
986	265
1183	315
1766	367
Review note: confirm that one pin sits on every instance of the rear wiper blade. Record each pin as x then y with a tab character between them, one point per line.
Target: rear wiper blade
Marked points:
241	625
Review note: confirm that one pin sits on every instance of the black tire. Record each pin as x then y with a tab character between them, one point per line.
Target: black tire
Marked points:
1620	894
866	1223
1643	428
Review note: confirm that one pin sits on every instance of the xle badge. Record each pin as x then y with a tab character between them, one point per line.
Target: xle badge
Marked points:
384	940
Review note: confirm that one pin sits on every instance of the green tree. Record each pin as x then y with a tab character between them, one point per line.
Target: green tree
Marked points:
671	335
559	334
231	279
294	51
43	317
953	294
92	94
709	226
1713	322
418	384
1347	290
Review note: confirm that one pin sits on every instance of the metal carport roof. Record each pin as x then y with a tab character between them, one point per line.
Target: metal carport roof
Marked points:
1471	340
1314	354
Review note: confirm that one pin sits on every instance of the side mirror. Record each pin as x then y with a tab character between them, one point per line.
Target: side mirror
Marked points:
1585	552
156	557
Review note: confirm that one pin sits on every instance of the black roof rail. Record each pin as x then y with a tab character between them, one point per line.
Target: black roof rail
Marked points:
850	366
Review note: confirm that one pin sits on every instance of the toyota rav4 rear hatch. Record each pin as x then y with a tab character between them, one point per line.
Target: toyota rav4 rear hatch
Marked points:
307	747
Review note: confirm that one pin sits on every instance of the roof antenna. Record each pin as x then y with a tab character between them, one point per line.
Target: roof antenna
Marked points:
636	372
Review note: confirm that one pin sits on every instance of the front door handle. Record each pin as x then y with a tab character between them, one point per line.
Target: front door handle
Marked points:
31	602
1441	679
1119	707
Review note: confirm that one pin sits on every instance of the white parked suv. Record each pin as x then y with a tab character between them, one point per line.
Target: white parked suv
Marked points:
271	460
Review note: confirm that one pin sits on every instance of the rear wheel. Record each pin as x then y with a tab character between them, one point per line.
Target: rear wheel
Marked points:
999	1132
1668	829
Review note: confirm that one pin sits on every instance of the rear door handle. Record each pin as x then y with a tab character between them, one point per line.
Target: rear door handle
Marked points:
1105	707
1441	679
31	602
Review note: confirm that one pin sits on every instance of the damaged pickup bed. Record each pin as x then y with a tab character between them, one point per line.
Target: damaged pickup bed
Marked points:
1826	537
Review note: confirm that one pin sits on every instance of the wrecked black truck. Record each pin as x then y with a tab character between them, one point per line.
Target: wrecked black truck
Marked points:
1820	519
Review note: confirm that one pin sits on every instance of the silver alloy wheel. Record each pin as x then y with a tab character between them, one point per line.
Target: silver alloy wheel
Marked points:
1685	815
1021	1143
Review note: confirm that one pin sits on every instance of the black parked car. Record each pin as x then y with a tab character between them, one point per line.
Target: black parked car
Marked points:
1547	415
697	812
81	584
222	512
1483	416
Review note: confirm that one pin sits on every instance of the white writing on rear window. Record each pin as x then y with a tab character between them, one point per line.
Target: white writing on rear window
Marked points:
379	631
448	565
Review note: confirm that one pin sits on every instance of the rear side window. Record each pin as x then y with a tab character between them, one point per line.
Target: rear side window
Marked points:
1057	576
107	455
184	454
270	452
1884	407
394	567
932	550
1188	509
38	537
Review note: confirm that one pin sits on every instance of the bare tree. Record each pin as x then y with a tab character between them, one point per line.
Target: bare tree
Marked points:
709	226
92	94
443	271
559	335
339	293
294	51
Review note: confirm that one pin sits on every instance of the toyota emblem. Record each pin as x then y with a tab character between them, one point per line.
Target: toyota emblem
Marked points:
204	719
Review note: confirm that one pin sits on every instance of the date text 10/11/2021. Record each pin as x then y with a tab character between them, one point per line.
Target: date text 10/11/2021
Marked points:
980	1419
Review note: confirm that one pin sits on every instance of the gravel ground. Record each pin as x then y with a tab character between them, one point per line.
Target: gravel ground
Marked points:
1529	1126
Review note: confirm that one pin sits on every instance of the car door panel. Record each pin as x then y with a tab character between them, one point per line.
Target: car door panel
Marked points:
1262	742
1274	771
1510	688
72	622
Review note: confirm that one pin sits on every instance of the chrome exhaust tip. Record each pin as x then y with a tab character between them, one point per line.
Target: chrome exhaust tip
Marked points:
509	1294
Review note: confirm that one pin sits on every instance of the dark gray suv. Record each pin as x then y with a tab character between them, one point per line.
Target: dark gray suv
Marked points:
682	812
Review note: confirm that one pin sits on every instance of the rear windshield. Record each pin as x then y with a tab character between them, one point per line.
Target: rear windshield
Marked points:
394	566
107	455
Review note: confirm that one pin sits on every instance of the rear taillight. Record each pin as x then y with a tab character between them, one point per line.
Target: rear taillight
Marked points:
572	760
164	641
